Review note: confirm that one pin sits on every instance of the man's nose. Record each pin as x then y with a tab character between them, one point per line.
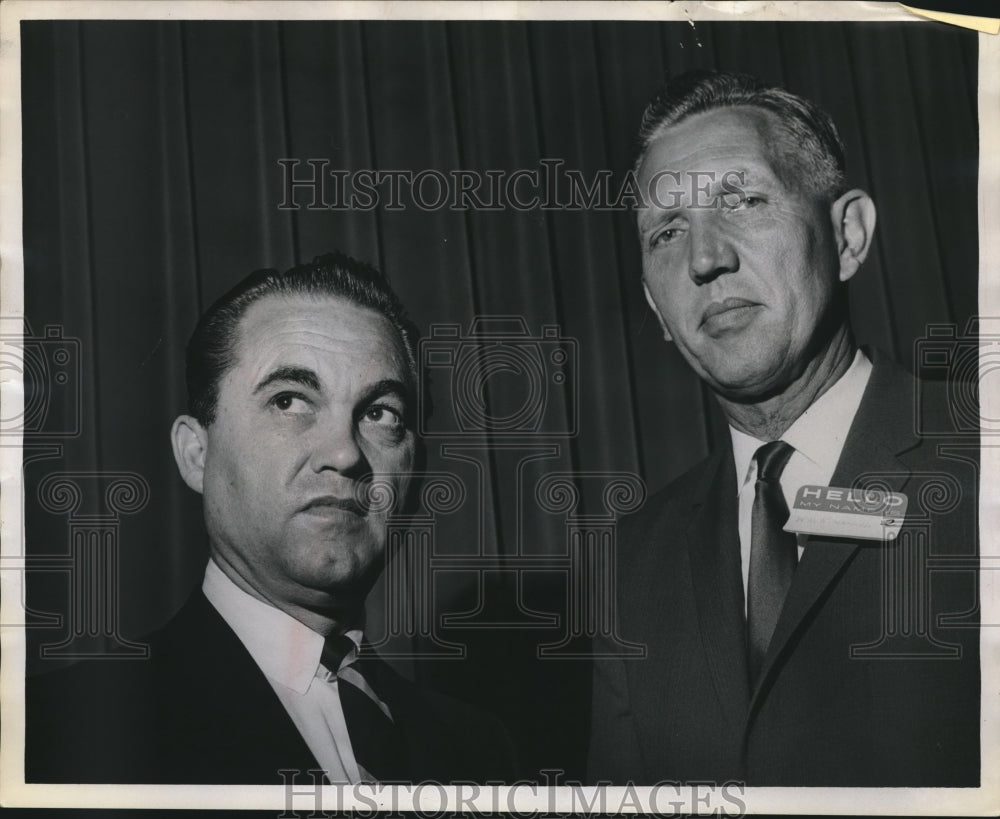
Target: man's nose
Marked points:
712	254
335	448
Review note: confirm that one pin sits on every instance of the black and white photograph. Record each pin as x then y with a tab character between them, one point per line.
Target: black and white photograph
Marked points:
545	407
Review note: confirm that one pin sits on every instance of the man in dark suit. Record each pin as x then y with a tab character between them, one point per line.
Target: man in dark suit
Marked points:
301	396
822	657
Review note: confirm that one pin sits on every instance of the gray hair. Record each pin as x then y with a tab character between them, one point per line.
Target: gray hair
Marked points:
808	154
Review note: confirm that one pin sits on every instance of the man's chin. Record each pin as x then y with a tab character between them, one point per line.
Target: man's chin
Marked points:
744	386
337	593
341	603
335	564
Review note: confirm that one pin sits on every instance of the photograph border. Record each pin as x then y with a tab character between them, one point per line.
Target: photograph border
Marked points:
521	797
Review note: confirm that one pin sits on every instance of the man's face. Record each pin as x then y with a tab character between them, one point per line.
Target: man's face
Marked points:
314	403
741	280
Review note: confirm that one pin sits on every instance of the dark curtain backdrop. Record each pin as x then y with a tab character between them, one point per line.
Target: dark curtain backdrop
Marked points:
152	184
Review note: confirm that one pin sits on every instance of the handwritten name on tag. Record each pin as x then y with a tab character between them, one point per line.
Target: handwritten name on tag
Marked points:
869	514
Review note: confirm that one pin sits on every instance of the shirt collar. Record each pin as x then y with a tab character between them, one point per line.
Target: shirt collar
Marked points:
286	650
819	433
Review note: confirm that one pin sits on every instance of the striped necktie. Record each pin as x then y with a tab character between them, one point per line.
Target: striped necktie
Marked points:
375	739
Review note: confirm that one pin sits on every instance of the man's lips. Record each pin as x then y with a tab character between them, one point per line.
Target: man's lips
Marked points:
721	308
328	503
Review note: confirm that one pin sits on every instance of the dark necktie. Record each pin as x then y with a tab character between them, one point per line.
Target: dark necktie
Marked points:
773	554
376	741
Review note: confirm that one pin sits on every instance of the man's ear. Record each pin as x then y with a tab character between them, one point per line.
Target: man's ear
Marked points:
853	216
190	441
656	310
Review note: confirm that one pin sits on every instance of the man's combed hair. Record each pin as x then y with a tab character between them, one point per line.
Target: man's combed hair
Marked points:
212	348
808	154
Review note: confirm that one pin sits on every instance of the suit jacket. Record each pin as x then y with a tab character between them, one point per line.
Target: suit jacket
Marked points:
199	710
872	674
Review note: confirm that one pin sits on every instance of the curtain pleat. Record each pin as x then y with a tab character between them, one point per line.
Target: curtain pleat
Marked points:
328	118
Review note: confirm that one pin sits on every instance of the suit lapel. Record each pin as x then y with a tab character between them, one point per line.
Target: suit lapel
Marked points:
713	546
209	680
880	432
429	749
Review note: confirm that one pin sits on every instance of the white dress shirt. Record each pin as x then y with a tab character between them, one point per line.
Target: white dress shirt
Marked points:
818	437
288	652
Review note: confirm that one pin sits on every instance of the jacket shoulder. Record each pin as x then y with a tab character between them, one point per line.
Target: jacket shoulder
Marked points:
80	722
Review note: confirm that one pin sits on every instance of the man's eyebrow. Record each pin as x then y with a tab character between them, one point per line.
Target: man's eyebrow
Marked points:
294	375
387	386
649	221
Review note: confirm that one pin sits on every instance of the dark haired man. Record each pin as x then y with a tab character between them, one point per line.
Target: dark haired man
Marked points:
301	389
822	658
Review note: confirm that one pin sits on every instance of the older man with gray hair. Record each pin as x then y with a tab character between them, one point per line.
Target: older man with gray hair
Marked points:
776	652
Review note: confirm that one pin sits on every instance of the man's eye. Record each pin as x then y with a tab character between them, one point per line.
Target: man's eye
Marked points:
665	237
290	402
747	202
384	416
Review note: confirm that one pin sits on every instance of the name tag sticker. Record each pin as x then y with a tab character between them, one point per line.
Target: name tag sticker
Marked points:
869	514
